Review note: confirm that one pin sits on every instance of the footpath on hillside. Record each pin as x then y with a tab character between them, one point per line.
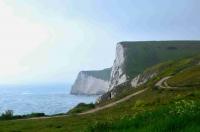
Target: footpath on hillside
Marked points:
93	110
162	84
113	103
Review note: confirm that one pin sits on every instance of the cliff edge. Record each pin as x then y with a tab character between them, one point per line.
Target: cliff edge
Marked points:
132	58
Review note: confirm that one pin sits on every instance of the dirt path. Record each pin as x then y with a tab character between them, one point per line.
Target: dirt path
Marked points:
162	84
162	81
114	103
46	117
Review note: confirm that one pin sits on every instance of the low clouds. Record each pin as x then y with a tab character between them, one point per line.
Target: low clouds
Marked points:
18	37
52	40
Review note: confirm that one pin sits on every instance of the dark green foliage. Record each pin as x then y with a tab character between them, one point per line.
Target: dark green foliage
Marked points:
81	108
8	115
101	74
35	115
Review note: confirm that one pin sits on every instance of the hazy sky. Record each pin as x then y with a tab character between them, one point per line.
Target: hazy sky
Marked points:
45	41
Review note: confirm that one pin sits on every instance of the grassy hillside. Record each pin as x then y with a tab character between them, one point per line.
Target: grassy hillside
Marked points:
143	54
81	108
153	110
187	78
181	115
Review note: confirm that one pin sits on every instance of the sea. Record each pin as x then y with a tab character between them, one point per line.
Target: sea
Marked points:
49	99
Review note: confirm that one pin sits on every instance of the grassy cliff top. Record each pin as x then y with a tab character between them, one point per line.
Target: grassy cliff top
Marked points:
101	74
140	55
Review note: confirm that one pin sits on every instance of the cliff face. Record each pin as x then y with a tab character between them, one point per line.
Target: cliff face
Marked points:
91	82
118	76
132	58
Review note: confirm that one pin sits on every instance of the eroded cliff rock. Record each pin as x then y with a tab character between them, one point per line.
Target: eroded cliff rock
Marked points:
91	82
118	76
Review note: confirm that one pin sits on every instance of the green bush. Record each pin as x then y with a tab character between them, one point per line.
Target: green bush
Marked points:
7	115
35	115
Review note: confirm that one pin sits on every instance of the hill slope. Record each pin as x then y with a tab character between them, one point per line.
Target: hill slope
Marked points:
188	78
166	113
132	58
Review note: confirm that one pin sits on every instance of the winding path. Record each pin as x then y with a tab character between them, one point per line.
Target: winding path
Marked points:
113	103
93	110
161	84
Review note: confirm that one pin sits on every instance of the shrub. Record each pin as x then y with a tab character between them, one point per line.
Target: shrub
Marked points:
185	107
36	115
7	115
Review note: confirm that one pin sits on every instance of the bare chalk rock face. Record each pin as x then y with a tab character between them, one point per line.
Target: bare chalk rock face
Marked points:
118	76
91	82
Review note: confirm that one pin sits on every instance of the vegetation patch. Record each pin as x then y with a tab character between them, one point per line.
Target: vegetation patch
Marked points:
82	107
9	115
181	115
187	78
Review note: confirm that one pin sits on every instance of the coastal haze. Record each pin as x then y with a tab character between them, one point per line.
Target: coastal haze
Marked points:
49	99
45	44
52	41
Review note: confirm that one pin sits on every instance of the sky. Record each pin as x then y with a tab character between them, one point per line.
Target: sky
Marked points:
50	41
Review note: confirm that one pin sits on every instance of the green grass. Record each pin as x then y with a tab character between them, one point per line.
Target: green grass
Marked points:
182	115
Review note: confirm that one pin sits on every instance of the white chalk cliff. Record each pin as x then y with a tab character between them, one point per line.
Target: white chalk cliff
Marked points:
88	84
142	78
118	76
132	58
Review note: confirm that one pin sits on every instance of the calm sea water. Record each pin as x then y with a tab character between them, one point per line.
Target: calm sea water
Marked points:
48	99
